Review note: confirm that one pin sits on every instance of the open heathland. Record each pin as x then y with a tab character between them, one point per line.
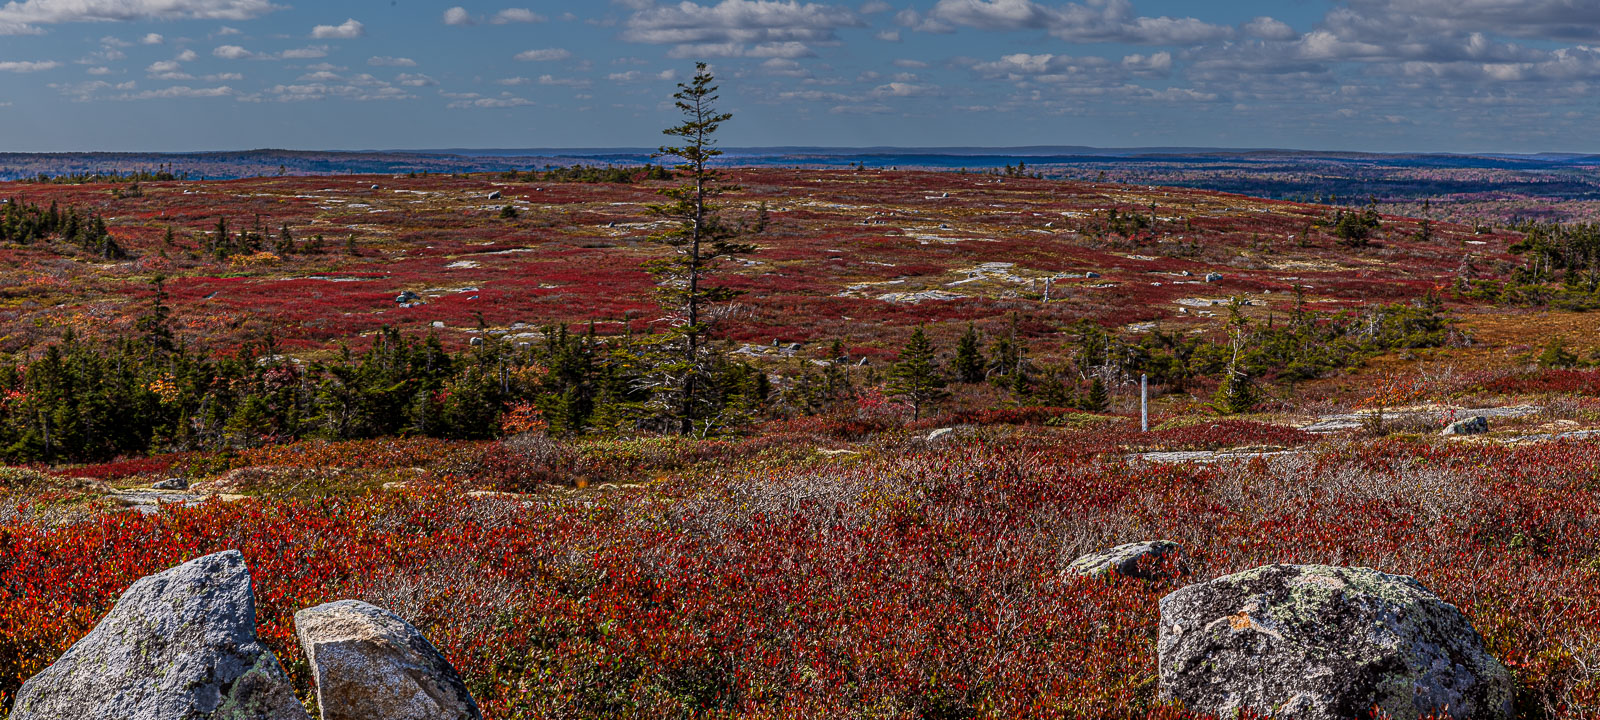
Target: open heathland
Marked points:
434	394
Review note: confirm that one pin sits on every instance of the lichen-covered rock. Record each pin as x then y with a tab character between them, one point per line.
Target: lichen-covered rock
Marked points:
1319	642
1470	426
369	663
178	645
1143	560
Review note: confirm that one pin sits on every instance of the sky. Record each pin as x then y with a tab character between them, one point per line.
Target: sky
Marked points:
1370	75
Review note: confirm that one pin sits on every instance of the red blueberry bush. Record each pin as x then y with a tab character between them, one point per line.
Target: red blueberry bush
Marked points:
906	583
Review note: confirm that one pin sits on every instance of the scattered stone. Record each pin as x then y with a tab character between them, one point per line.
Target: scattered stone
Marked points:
939	434
406	297
438	323
369	663
476	342
171	484
178	644
1213	277
495	195
1142	560
1321	643
1091	274
1476	425
374	187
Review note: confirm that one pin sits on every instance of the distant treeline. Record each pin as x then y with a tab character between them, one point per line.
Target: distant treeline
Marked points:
86	178
591	174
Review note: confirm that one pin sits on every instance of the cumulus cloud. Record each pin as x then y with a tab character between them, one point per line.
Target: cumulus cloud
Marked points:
347	30
1540	19
14	66
765	23
1093	21
178	91
1269	29
544	55
386	61
25	16
473	100
458	16
358	88
516	15
306	53
415	80
788	50
153	39
235	52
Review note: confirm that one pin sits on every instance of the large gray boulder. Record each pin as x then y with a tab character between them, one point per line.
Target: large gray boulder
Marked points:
1325	643
369	663
1144	560
1471	426
178	645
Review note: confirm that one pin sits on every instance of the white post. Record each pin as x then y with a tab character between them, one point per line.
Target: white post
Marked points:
1144	403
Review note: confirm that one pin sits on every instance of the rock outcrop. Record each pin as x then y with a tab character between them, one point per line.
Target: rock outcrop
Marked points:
369	663
1325	643
1471	426
178	645
1144	560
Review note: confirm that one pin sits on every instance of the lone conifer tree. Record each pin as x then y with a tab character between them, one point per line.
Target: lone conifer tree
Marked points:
916	376
969	357
700	238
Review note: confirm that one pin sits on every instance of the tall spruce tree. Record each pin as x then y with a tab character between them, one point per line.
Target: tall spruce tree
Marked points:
700	238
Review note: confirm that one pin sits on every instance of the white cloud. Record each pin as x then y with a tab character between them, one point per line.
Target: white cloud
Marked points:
551	80
359	88
458	16
788	50
385	61
545	55
187	56
98	71
516	15
153	39
504	101
1093	21
415	80
1269	29
235	52
902	90
1153	63
14	66
742	22
175	92
25	16
306	53
347	30
163	67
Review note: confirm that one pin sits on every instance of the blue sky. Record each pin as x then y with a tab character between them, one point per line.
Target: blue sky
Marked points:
1384	75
